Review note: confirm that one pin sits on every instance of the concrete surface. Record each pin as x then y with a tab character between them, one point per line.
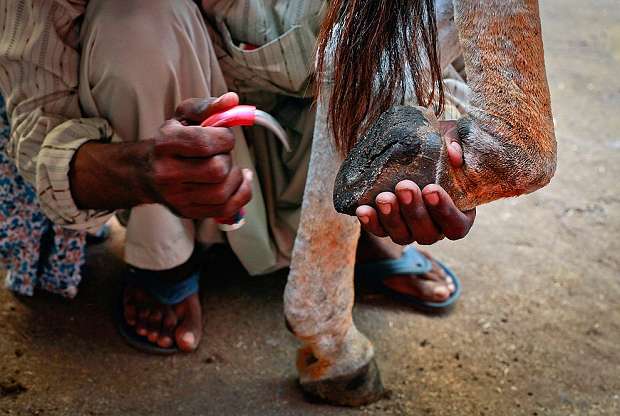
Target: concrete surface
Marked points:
537	331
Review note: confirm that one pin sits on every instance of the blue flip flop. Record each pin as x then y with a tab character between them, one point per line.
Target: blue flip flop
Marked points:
412	262
166	294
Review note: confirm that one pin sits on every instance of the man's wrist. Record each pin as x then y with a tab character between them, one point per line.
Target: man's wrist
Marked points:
139	160
112	175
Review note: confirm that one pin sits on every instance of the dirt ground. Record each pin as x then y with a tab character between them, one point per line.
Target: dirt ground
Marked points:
537	331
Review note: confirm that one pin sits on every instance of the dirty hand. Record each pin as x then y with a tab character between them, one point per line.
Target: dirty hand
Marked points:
424	216
191	168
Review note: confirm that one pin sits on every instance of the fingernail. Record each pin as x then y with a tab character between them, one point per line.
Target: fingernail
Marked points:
249	174
385	209
364	220
407	197
188	338
221	98
455	146
432	198
203	105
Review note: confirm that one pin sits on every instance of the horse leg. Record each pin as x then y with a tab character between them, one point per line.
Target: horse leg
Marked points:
336	362
506	135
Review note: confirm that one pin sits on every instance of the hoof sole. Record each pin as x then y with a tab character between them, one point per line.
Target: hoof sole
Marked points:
357	389
402	144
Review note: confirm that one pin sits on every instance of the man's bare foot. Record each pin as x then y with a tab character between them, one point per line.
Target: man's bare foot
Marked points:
164	325
434	286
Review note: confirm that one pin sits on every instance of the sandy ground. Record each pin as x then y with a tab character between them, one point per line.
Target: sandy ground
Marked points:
537	331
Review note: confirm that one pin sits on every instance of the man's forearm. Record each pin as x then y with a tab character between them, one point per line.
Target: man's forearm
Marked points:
111	175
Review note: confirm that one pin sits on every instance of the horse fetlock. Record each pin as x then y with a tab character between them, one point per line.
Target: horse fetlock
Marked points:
405	143
495	165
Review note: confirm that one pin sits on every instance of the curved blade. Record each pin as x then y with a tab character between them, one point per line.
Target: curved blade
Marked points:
266	120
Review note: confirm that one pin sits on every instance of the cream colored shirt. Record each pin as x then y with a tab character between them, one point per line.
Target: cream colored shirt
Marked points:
39	59
38	79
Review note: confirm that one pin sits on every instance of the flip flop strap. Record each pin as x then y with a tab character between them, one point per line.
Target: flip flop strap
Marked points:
166	293
411	262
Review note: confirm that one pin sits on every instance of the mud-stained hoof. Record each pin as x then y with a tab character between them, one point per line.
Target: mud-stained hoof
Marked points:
401	144
357	389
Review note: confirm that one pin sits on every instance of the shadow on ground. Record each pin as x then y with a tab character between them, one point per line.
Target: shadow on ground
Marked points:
537	331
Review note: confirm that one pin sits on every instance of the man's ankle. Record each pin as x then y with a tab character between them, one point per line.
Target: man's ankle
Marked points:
371	248
178	273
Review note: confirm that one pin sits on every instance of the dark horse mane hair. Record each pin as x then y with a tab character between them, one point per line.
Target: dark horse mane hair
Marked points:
380	45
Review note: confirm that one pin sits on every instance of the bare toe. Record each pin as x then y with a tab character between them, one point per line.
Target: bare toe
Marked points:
135	308
154	323
428	290
142	322
189	331
129	306
130	313
169	324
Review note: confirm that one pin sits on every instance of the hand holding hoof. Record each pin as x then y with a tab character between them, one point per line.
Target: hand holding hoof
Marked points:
387	180
410	215
403	144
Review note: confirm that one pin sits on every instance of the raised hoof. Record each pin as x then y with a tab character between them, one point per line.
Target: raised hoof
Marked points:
356	389
401	144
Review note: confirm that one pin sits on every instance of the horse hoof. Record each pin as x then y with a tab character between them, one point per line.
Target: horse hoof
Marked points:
360	388
401	144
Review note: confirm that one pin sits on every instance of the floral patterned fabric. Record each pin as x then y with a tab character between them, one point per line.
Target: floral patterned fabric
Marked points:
35	252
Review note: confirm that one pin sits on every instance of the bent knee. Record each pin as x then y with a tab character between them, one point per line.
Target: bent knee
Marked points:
126	39
533	166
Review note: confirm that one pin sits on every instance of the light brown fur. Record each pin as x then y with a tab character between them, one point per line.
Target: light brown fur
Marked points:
507	137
